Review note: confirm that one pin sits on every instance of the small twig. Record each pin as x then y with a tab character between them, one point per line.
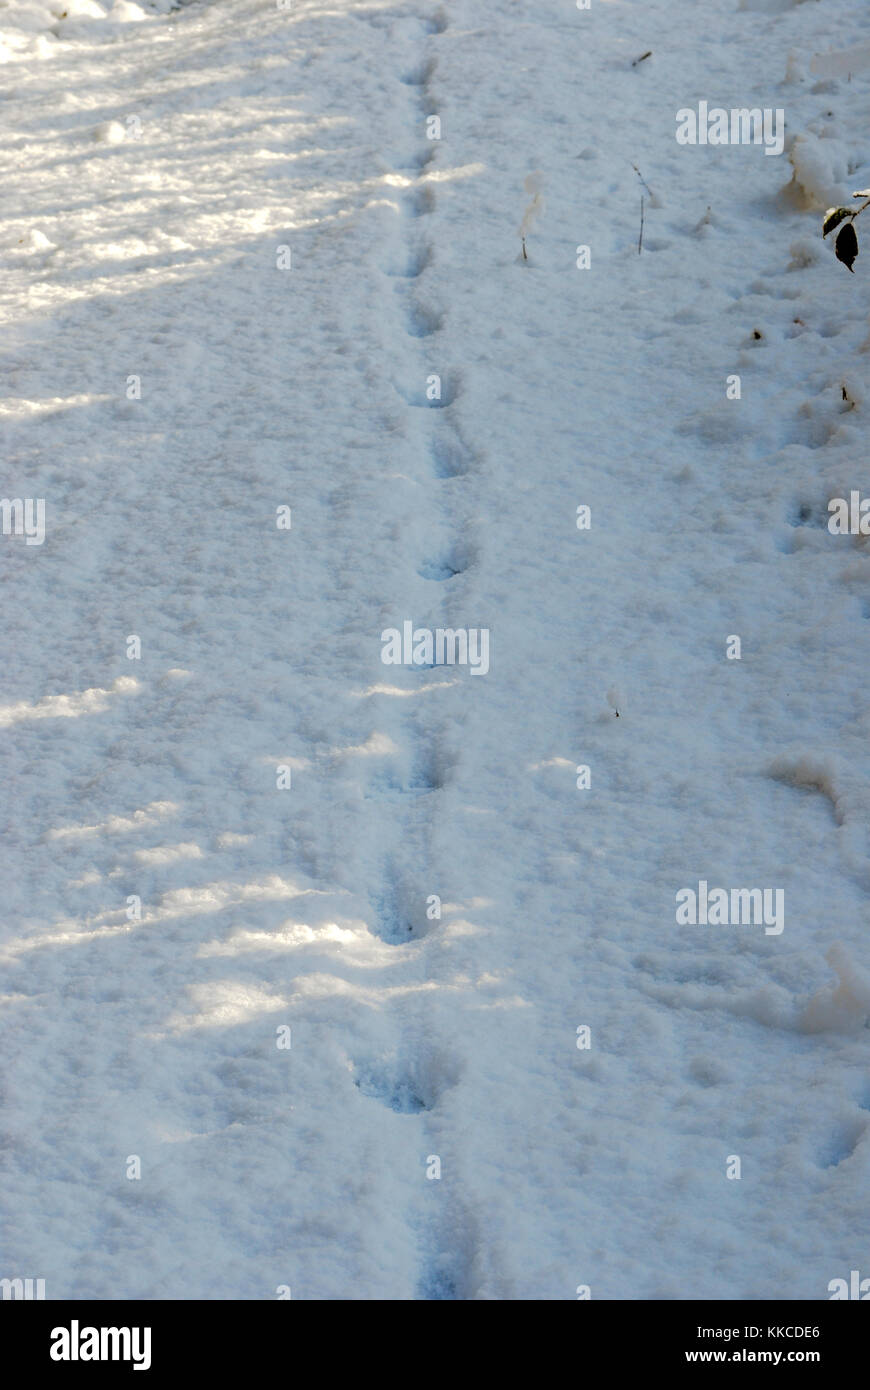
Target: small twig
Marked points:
642	179
525	257
640	238
648	54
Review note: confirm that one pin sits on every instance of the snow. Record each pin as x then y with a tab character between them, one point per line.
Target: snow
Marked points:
244	829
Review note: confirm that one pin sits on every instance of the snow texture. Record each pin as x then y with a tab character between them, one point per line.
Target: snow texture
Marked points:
233	262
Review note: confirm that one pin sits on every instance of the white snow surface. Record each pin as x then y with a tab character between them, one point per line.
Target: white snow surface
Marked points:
154	160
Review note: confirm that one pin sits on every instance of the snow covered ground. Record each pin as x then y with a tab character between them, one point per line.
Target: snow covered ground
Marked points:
233	261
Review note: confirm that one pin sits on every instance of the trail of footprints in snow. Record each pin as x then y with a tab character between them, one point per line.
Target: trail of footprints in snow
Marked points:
421	321
411	1085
